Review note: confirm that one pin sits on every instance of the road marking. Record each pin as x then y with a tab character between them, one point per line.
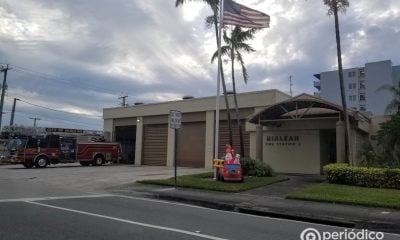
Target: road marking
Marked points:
238	213
130	222
54	198
31	200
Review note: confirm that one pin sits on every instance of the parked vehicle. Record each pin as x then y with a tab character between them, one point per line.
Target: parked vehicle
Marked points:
40	151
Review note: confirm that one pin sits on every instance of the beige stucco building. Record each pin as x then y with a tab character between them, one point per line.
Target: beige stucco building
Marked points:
293	135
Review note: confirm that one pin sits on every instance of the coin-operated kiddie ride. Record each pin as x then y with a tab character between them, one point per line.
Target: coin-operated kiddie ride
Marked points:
229	168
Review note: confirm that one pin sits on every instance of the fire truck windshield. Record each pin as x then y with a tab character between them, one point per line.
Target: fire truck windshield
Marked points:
16	143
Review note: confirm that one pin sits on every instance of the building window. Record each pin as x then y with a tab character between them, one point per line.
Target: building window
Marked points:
352	86
352	74
362	97
362	85
363	109
361	72
352	98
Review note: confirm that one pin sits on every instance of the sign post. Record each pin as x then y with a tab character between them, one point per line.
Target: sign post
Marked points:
175	122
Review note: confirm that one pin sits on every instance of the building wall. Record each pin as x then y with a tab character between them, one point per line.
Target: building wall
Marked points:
292	151
361	86
378	74
193	110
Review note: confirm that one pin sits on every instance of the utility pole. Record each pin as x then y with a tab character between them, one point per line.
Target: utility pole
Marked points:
13	112
34	120
3	90
290	85
123	100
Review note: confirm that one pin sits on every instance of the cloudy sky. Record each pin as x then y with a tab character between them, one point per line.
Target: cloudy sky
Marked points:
69	59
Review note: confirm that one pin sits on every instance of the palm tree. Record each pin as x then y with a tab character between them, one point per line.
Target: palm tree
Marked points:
394	106
234	48
334	7
213	20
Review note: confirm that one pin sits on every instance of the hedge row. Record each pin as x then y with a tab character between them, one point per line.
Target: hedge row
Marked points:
363	176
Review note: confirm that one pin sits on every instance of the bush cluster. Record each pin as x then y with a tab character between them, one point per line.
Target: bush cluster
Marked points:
363	176
252	167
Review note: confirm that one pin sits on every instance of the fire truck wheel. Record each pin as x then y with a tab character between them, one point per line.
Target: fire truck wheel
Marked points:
98	160
28	165
41	162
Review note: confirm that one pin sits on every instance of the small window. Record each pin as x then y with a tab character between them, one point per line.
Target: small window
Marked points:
352	74
363	109
362	85
352	98
362	97
361	72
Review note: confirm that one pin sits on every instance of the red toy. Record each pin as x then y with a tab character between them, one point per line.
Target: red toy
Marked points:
232	169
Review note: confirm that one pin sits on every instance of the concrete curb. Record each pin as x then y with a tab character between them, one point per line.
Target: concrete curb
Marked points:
278	213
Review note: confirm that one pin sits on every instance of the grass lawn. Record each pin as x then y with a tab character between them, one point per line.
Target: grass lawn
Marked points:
205	181
325	192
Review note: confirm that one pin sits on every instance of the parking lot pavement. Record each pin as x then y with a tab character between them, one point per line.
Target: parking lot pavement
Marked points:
73	179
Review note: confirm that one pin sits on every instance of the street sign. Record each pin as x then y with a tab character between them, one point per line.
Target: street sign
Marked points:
175	119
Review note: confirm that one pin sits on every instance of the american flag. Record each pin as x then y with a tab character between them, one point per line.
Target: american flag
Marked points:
242	16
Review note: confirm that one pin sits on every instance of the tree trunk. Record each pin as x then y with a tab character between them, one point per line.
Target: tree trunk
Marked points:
342	88
236	104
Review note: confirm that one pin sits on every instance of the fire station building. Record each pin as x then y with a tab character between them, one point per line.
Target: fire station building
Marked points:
293	135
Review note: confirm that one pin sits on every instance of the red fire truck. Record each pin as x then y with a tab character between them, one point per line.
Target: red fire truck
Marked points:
40	151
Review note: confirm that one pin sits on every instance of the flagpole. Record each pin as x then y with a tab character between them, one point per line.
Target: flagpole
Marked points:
217	99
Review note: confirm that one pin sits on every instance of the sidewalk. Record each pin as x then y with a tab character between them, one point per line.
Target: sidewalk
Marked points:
270	201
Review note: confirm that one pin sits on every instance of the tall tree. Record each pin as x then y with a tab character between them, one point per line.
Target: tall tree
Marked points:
334	7
235	45
394	106
213	19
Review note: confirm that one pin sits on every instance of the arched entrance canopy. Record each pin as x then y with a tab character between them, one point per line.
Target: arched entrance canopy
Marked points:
303	106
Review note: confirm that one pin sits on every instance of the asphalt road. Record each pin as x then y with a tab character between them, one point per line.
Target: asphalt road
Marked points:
42	209
120	217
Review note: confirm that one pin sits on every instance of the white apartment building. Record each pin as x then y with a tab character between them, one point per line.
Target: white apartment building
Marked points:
361	84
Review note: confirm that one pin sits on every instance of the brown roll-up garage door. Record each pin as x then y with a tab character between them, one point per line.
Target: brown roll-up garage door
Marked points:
191	144
224	137
155	142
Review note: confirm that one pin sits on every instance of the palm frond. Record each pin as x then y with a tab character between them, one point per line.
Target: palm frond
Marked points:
245	47
225	51
244	70
227	40
340	5
210	21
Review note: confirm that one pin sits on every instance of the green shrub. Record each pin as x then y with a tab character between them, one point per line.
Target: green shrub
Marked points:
362	176
252	167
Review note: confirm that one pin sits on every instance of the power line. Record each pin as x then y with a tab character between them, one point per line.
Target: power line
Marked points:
44	117
62	80
34	120
56	110
123	103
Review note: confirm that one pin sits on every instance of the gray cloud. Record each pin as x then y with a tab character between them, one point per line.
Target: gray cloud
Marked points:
80	56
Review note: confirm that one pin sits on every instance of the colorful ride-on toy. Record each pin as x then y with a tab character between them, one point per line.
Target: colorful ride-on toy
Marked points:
230	172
